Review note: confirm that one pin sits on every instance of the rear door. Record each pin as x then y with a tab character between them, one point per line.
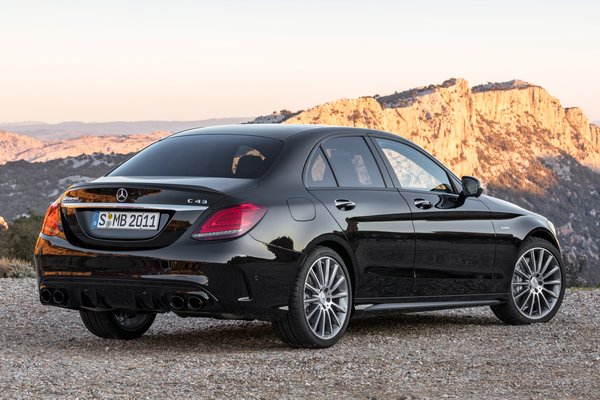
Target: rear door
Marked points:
345	176
455	238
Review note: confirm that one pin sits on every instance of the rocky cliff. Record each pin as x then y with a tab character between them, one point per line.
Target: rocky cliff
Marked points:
517	138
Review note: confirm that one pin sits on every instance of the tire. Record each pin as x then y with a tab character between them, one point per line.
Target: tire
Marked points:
116	324
536	288
320	304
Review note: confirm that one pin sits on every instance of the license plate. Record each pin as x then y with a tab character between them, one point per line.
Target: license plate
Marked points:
126	220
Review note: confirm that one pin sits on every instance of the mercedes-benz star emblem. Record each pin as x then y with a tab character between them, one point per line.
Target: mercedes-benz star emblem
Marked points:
121	195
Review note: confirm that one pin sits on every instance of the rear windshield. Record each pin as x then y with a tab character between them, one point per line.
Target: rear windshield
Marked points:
213	156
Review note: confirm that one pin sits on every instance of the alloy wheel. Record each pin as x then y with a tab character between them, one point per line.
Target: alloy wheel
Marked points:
536	283
326	297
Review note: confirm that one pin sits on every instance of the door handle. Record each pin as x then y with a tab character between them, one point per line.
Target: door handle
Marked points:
344	205
422	203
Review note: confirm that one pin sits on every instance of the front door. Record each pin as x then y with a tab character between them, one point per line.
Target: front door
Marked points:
343	174
455	238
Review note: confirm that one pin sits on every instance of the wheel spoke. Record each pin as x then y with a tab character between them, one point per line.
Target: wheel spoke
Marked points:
315	309
337	321
552	283
540	260
326	272
308	286
314	277
532	259
332	275
551	293
532	306
311	300
548	261
521	294
524	305
520	283
552	271
342	309
338	283
329	323
320	273
339	295
523	274
528	267
545	301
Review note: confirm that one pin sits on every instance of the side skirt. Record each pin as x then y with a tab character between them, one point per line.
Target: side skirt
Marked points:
427	304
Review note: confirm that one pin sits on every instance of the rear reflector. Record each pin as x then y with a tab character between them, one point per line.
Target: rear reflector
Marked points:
51	226
230	222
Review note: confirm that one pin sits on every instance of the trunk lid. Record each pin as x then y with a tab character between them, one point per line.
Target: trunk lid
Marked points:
171	204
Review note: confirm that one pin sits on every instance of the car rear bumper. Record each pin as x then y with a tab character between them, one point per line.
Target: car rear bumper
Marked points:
240	278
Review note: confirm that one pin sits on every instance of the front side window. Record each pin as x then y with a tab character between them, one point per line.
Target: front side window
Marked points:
213	156
414	169
352	162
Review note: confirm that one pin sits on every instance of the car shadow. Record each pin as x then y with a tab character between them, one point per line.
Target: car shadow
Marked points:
260	336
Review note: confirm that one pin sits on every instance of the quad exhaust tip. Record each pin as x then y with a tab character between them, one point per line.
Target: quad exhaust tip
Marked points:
177	302
48	296
191	303
195	303
45	296
58	296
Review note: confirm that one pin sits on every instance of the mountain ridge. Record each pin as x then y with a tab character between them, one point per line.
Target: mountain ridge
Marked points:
72	129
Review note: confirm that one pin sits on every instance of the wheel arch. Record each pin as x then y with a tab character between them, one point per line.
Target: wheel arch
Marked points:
545	234
340	246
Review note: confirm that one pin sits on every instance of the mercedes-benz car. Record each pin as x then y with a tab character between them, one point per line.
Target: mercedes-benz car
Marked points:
304	226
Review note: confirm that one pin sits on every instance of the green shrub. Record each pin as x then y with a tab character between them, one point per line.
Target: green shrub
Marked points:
18	241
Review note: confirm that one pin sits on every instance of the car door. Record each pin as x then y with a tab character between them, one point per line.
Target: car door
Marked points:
455	238
344	175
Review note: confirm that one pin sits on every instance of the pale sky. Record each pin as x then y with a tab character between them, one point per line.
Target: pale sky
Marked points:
187	60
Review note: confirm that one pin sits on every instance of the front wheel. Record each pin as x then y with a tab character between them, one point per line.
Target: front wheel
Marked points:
320	303
537	285
117	324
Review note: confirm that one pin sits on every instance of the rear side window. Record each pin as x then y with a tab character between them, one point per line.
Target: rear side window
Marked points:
318	173
352	162
213	156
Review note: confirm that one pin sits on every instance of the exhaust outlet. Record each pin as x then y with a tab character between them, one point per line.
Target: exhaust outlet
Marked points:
177	302
195	303
58	296
45	296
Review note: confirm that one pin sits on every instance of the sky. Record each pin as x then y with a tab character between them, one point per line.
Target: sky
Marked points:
107	60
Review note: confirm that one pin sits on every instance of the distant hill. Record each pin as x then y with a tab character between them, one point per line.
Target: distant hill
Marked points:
14	147
73	129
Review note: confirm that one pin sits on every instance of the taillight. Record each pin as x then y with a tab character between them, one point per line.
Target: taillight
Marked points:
230	222
51	225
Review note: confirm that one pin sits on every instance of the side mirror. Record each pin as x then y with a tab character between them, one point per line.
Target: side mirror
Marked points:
471	187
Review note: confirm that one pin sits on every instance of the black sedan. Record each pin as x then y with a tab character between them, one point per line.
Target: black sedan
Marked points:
303	226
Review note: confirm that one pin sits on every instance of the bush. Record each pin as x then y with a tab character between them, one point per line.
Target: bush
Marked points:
18	242
13	268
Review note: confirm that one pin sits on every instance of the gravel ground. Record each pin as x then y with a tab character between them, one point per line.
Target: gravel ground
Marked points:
46	352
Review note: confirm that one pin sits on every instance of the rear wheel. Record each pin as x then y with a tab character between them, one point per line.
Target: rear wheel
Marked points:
537	286
117	324
320	303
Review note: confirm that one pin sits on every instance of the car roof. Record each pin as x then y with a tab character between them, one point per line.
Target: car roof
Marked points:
277	131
